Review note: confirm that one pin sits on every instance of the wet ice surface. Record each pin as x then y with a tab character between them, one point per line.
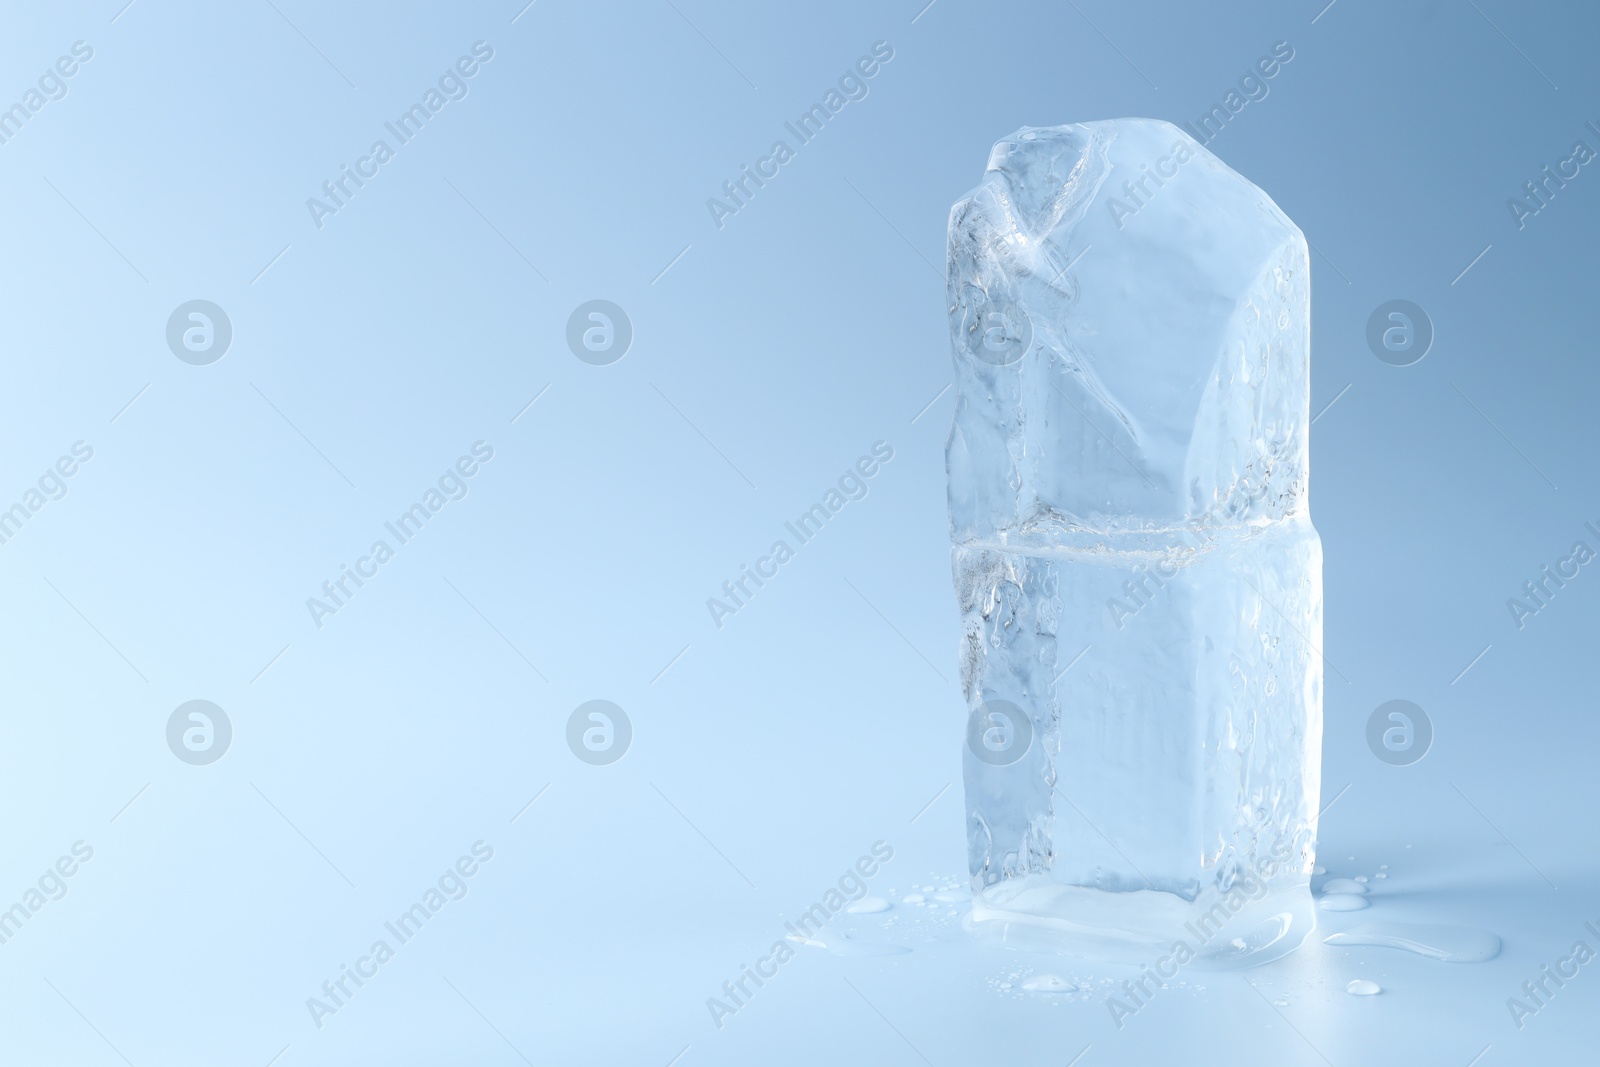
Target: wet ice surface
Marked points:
1449	944
936	908
1387	957
961	1002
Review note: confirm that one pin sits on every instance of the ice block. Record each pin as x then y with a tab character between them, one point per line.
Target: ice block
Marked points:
1138	577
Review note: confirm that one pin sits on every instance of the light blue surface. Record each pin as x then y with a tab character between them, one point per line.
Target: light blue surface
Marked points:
767	355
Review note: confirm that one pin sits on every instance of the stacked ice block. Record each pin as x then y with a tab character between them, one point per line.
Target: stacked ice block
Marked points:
1134	558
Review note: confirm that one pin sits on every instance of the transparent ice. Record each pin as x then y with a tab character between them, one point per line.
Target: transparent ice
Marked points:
1133	555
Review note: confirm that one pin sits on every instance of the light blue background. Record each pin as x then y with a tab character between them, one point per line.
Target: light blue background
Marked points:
821	718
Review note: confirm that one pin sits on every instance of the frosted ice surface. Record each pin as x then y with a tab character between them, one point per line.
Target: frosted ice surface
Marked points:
1134	557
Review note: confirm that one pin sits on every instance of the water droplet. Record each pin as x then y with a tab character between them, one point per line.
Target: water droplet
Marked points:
1343	885
1048	983
1319	869
1361	878
1380	874
1452	944
1361	987
1343	902
868	906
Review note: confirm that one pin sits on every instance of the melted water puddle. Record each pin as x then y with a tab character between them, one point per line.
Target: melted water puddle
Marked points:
1451	944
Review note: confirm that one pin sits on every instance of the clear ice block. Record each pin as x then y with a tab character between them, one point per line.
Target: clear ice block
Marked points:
1138	576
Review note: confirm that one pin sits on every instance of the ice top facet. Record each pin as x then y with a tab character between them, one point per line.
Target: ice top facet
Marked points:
1133	556
1134	315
